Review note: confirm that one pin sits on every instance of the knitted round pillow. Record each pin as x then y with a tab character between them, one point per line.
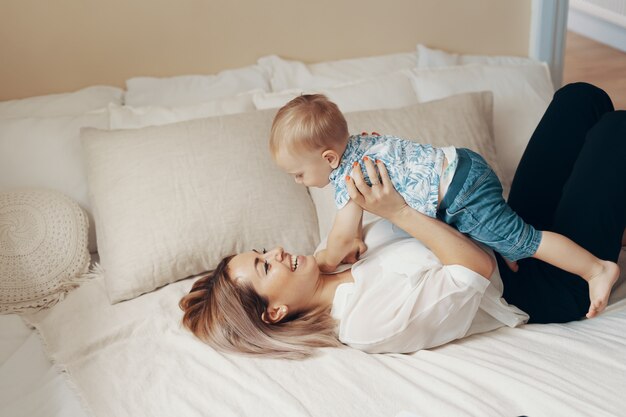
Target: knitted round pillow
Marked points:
43	248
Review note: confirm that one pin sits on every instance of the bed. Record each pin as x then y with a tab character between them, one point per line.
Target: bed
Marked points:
154	162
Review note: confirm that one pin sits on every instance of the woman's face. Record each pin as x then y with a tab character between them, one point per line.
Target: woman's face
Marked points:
286	280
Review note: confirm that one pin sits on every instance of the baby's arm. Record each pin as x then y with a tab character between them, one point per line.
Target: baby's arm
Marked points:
341	240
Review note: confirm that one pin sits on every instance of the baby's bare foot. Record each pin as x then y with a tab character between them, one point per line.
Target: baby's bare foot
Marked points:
600	287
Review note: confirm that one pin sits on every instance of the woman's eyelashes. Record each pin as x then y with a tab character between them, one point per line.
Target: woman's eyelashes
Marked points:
266	265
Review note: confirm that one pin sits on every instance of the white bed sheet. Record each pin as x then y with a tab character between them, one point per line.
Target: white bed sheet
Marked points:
133	358
30	386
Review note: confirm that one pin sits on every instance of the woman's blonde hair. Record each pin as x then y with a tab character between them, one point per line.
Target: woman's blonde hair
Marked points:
309	121
227	316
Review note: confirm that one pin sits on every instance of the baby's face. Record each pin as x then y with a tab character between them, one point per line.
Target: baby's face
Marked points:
307	167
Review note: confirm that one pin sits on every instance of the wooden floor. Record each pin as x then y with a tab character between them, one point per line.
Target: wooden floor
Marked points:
596	63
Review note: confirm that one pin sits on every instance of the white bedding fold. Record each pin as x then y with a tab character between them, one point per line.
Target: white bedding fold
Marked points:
29	385
133	358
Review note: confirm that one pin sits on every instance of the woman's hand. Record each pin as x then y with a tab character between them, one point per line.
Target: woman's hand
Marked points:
381	198
448	244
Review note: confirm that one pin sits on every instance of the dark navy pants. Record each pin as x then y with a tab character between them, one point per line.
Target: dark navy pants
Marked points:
570	180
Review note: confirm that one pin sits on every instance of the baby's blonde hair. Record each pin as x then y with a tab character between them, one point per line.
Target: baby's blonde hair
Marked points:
311	122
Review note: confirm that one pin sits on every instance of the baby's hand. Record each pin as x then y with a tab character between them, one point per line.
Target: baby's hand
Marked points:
355	253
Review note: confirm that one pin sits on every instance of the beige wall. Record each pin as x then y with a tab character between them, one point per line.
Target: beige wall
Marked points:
52	46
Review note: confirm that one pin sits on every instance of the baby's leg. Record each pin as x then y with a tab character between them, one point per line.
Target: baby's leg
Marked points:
480	212
488	219
563	253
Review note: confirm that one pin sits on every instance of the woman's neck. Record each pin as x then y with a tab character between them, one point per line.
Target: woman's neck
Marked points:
329	284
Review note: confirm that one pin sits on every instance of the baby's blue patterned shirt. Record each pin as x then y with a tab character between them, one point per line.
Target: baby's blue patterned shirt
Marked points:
414	169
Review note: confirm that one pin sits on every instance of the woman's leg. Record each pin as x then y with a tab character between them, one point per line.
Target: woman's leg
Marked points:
547	293
592	208
591	212
553	149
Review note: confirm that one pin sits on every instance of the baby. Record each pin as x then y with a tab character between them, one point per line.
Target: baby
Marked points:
310	140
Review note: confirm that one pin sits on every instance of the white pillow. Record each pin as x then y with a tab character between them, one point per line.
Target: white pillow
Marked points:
436	58
287	74
521	95
128	117
424	122
43	242
46	152
67	104
385	91
171	201
194	89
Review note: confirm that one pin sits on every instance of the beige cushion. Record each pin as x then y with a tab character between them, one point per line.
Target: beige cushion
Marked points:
43	248
171	201
464	120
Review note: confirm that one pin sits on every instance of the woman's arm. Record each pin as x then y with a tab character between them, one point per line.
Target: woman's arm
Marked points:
448	244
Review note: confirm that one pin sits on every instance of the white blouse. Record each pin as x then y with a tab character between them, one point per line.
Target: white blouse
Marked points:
403	299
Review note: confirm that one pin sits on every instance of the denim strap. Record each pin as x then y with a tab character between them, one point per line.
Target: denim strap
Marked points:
462	170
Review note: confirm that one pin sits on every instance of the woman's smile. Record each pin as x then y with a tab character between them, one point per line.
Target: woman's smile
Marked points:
297	261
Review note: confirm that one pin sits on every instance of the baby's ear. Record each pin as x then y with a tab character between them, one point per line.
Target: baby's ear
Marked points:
331	157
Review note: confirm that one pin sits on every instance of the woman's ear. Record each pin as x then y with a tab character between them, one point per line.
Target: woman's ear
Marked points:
274	314
331	157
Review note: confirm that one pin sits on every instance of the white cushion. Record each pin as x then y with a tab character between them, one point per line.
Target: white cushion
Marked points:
471	127
436	58
43	242
521	93
194	89
286	74
129	117
171	201
67	104
385	91
46	152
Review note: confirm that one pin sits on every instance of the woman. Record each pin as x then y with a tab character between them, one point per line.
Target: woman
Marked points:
421	283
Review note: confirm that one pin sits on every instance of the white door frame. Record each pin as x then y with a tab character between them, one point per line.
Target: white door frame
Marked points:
548	25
